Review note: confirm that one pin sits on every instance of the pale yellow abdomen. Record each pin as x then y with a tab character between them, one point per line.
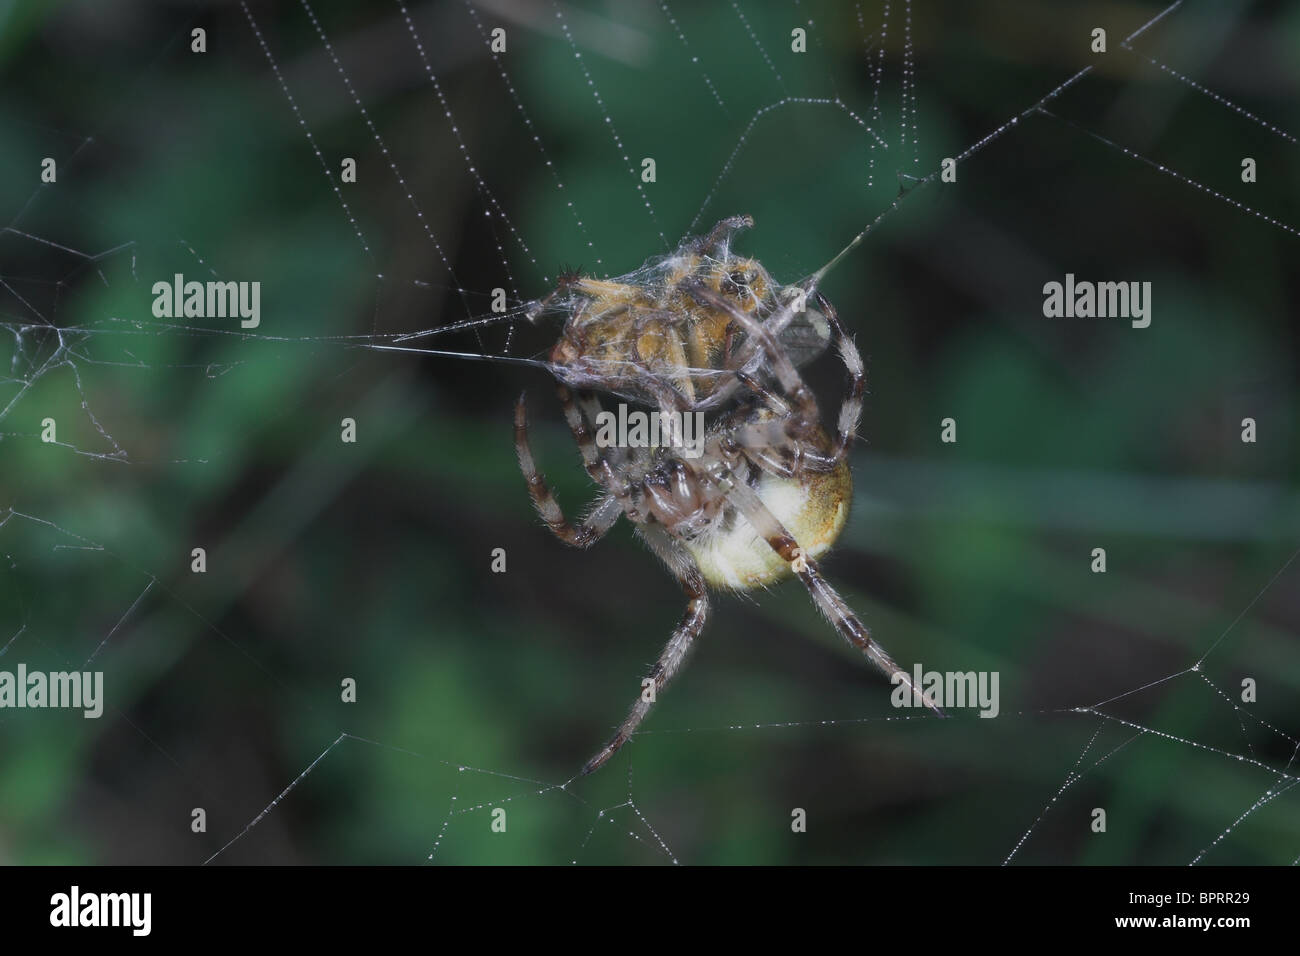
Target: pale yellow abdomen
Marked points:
739	558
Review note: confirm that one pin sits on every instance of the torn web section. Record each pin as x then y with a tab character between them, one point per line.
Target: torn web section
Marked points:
46	348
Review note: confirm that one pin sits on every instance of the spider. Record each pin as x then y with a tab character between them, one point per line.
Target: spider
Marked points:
706	329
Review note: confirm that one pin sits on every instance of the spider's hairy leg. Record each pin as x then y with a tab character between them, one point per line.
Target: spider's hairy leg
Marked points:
674	653
604	468
591	529
748	357
589	404
793	439
827	599
766	443
851	410
804	405
598	465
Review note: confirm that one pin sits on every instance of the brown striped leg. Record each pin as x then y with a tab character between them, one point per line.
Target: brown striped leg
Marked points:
675	651
828	601
851	410
593	459
603	464
772	436
584	535
589	403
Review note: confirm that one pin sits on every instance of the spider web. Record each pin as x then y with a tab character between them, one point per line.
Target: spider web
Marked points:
175	433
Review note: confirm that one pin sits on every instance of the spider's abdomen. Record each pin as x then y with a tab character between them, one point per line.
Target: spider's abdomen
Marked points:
813	510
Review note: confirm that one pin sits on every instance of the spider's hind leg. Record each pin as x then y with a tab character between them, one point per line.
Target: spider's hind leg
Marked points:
674	653
828	601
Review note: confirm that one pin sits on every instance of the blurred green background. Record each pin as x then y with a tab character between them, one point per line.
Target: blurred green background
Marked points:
372	560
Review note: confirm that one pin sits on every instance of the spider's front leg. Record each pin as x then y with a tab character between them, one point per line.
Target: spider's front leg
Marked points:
851	409
767	443
797	426
674	652
584	535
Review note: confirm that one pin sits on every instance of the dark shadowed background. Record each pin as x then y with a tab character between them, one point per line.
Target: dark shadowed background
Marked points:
371	560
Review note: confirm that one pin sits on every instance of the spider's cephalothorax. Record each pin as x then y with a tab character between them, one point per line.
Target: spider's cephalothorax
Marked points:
769	491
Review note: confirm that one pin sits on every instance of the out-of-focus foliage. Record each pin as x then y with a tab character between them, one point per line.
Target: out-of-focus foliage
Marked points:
372	560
